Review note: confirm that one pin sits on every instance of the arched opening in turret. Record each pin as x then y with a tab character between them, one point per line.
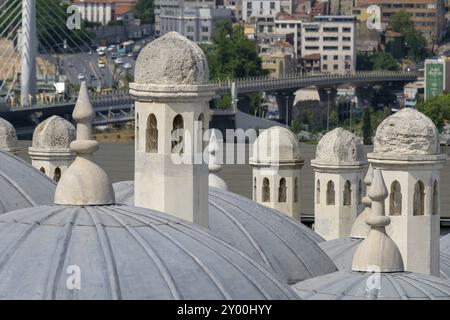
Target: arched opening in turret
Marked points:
282	190
318	191
137	131
177	134
347	193
395	199
419	199
151	145
435	197
57	174
330	193
295	189
265	196
42	170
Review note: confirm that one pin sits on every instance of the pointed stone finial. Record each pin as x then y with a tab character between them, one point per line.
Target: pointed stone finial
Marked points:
360	228
378	252
84	183
213	165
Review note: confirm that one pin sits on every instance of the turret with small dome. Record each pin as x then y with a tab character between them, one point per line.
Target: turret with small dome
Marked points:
50	151
276	163
339	168
8	137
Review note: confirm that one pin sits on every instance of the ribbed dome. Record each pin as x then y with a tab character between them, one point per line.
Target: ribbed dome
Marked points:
445	244
340	146
353	285
276	145
284	245
406	132
445	265
21	185
172	60
53	133
123	253
8	137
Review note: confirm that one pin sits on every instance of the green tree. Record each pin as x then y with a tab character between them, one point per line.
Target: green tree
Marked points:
145	11
400	21
363	61
232	54
384	61
333	119
367	127
437	109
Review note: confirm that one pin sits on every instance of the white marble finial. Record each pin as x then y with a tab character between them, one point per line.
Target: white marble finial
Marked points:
360	228
213	165
378	252
84	182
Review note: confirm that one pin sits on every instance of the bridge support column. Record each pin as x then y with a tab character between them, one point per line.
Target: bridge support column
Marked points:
29	51
285	102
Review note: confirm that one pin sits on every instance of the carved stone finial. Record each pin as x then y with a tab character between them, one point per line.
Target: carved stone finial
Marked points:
360	228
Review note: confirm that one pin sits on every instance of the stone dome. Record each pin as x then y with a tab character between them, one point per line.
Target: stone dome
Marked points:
172	60
53	133
444	263
348	285
21	185
340	146
8	137
406	132
445	244
283	245
276	145
123	252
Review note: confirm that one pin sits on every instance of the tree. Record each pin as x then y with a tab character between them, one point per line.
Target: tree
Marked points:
437	109
333	119
363	61
145	11
367	127
400	21
232	54
384	61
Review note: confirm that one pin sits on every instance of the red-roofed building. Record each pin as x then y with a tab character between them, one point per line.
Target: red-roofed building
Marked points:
104	11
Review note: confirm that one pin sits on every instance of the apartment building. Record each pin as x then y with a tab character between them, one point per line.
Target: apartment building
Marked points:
286	23
196	24
333	38
236	8
428	15
259	8
103	11
175	8
279	60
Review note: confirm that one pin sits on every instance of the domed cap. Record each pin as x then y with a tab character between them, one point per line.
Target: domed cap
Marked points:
344	285
84	182
172	60
8	137
123	252
276	145
405	133
21	185
54	133
340	147
281	244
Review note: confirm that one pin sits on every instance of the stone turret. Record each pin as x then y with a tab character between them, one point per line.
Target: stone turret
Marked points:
172	114
50	151
339	167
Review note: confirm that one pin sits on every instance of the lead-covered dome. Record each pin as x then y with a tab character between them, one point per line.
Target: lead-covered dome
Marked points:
340	146
172	60
122	252
282	244
53	133
385	286
8	137
21	185
276	145
445	244
405	133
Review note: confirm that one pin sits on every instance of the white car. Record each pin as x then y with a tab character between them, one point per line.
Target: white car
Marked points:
111	48
118	61
81	77
101	65
127	65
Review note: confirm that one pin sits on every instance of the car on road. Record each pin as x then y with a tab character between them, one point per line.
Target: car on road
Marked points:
113	55
112	47
118	61
127	66
130	55
92	77
81	77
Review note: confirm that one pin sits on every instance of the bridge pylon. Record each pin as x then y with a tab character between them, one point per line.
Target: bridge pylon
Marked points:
29	52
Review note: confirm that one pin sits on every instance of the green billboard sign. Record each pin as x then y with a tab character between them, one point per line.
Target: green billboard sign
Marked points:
434	85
